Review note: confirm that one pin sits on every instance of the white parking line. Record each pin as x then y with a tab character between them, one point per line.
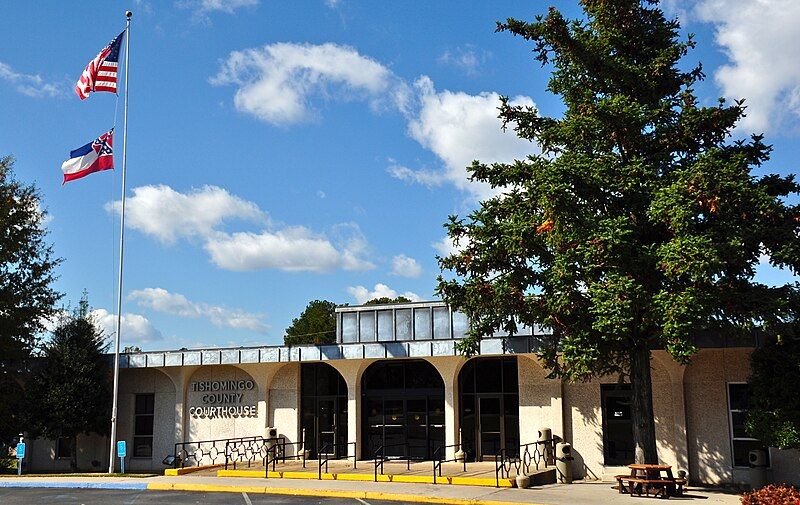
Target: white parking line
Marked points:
246	498
362	501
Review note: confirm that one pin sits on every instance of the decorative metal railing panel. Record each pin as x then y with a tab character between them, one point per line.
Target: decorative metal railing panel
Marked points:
203	452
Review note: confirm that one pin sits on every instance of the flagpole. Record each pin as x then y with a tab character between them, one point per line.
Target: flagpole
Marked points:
112	454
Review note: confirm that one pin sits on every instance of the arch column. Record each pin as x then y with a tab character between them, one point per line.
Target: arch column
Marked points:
351	372
180	379
262	374
449	368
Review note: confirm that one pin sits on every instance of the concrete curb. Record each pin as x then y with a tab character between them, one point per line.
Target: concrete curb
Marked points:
326	493
73	485
364	477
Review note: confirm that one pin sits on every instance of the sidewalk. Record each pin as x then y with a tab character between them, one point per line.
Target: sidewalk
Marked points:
588	493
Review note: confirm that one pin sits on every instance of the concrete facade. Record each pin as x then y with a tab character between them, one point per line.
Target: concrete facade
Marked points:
194	390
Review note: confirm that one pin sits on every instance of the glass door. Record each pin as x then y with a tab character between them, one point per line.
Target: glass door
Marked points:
490	426
326	426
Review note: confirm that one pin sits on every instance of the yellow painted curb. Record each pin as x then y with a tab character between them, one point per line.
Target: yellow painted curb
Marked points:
363	477
190	469
326	493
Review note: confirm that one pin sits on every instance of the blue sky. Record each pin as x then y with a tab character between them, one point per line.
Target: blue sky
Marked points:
285	151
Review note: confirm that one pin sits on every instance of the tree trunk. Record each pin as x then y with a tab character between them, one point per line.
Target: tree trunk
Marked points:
644	426
73	453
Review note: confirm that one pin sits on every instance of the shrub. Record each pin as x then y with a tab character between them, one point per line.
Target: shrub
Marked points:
773	495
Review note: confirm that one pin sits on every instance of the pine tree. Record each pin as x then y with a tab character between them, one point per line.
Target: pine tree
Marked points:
70	393
27	272
640	225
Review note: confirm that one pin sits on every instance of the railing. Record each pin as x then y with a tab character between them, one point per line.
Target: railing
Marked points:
381	458
544	452
249	451
437	463
278	451
202	450
333	456
503	463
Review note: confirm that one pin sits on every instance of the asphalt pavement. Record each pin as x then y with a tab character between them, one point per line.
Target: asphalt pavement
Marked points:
34	496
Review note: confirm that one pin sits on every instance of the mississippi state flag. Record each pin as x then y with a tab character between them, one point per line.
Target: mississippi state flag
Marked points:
95	156
101	73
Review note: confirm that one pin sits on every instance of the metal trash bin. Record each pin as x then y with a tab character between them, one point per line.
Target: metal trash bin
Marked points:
564	463
758	463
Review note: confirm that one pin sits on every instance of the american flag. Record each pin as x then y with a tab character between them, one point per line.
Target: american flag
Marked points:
101	73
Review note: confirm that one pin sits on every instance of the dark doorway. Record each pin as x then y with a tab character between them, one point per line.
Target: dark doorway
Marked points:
489	407
618	448
402	403
324	409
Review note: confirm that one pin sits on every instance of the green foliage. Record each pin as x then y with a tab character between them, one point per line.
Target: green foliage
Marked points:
638	226
386	300
27	271
774	415
316	325
70	393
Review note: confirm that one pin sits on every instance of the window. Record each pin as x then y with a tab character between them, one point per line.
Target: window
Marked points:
403	324
143	426
349	327
422	324
385	326
63	448
441	323
741	444
366	326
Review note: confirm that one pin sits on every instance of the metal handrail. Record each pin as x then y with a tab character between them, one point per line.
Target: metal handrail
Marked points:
544	454
279	452
330	457
503	464
232	446
182	455
384	458
437	463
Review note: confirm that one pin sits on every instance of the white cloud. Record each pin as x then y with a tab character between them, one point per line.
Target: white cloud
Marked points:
32	85
202	8
292	249
428	178
446	247
134	328
161	300
460	128
760	39
405	266
362	294
333	3
167	215
278	82
468	58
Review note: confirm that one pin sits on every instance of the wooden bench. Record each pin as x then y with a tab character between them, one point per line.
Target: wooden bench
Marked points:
643	486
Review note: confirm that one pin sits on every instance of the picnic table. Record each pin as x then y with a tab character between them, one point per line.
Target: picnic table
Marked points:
650	480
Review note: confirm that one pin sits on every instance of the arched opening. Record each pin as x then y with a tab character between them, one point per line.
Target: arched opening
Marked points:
402	407
323	406
489	407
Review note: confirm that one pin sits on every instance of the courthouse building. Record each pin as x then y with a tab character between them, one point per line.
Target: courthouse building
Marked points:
395	377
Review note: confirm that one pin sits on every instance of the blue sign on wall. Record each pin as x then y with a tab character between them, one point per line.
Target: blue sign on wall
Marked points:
20	450
121	449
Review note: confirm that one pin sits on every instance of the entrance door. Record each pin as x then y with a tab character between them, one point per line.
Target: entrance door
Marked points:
326	426
490	426
618	445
